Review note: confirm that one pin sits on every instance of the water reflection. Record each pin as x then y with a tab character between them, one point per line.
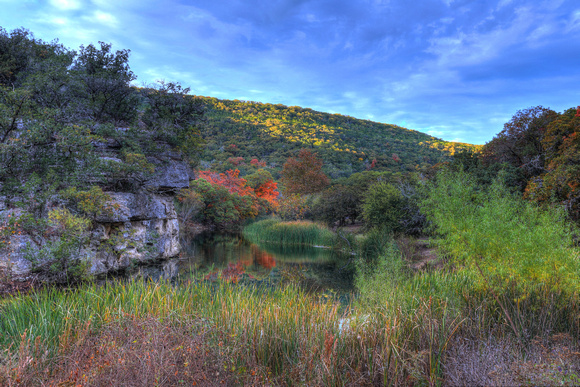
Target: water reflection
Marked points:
315	268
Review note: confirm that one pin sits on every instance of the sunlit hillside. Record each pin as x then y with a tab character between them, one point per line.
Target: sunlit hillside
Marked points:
271	133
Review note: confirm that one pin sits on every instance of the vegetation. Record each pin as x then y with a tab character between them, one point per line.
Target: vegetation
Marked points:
273	133
542	147
303	175
289	233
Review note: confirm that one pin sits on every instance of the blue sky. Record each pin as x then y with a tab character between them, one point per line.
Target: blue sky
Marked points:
455	69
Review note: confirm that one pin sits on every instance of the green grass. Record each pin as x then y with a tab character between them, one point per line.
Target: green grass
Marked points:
274	231
298	337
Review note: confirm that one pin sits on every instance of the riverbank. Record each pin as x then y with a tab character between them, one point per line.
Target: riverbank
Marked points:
223	334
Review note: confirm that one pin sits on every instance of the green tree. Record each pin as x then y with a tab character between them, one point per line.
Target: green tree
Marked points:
174	116
339	203
383	206
102	84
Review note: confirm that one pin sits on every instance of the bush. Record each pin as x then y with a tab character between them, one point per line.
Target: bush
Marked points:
59	257
383	206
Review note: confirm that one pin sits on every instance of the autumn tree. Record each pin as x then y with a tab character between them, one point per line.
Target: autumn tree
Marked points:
561	180
303	174
264	186
520	142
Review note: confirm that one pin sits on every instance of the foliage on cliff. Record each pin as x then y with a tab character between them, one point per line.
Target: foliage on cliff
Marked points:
71	126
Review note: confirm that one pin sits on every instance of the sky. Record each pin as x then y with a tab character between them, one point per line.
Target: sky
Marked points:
455	69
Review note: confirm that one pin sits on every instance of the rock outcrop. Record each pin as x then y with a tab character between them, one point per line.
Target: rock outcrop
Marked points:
142	228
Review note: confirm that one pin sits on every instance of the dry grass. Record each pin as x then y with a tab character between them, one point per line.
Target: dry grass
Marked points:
132	352
504	362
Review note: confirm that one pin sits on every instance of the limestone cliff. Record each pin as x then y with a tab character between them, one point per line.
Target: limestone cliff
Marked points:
142	228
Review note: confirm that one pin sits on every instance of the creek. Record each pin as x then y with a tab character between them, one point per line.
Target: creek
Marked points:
210	255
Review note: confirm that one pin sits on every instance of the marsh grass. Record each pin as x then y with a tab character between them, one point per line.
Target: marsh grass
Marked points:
296	337
289	233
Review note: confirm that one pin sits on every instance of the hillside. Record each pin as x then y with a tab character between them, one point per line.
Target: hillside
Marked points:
272	133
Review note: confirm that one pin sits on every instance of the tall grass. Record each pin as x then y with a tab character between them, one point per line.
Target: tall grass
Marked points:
289	233
298	338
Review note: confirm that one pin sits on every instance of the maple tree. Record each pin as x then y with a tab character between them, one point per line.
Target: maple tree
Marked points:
227	198
303	174
229	180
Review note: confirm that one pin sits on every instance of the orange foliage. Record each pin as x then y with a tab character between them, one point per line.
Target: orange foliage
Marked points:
268	191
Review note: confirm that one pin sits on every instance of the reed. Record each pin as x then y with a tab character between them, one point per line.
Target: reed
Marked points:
297	337
289	233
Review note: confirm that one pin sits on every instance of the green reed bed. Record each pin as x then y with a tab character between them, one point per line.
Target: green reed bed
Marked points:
295	336
289	233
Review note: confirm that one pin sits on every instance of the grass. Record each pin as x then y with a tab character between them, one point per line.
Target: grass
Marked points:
296	337
289	233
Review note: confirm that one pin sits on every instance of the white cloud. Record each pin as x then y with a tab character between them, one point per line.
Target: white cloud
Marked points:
60	21
105	18
574	23
66	4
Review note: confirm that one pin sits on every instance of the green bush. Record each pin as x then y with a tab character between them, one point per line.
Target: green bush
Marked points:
383	206
519	257
59	258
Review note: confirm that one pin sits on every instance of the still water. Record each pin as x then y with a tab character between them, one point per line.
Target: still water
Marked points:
228	255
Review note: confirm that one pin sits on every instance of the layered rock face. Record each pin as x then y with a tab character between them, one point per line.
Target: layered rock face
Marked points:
142	228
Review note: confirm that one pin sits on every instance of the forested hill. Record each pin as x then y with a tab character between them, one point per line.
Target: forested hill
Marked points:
238	131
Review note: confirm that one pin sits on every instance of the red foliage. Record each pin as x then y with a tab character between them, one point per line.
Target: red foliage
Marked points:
229	180
577	112
258	163
396	158
372	165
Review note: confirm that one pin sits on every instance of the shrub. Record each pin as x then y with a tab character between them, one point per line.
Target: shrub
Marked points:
383	206
59	257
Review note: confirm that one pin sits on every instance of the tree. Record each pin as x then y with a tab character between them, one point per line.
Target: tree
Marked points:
383	206
264	186
520	142
102	87
303	175
339	203
561	181
174	116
